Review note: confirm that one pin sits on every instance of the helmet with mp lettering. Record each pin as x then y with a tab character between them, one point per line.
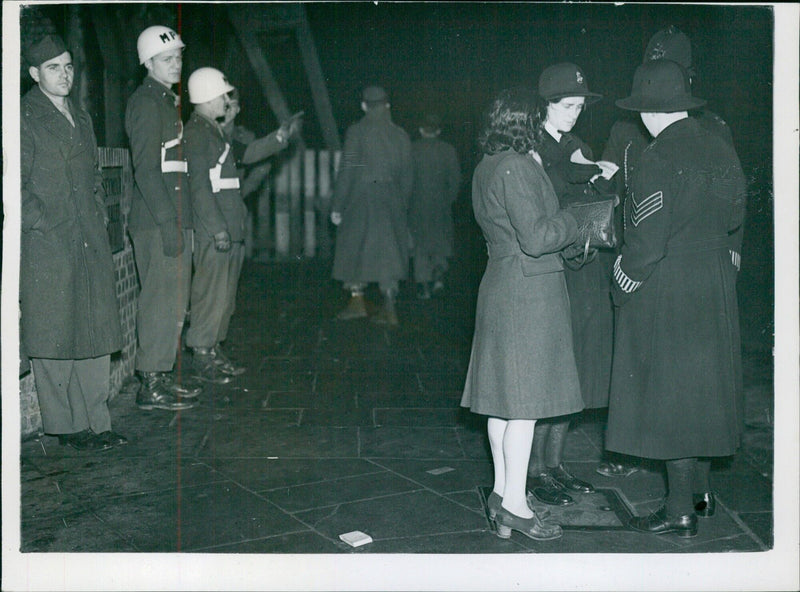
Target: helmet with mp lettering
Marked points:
153	40
206	84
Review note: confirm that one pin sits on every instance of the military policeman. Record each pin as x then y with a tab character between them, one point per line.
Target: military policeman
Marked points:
220	218
70	317
676	386
160	221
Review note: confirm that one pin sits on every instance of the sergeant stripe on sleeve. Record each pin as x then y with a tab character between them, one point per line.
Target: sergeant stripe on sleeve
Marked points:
648	206
625	283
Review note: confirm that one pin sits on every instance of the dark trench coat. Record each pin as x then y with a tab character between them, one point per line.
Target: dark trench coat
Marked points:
676	385
372	193
67	284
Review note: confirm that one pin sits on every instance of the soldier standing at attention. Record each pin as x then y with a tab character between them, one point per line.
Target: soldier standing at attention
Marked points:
66	264
160	221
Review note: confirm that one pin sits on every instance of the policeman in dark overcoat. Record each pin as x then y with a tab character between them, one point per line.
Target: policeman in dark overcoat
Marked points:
676	387
160	221
370	206
70	316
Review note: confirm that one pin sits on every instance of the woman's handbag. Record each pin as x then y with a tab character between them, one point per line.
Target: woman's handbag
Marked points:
595	229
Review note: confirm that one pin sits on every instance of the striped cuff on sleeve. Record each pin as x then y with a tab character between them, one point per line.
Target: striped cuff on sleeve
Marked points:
625	283
736	259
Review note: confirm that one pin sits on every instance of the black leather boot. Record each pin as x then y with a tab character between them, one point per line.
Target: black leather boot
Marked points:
225	364
155	394
206	368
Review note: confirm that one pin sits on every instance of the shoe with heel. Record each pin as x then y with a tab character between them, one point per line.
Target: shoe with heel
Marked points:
534	527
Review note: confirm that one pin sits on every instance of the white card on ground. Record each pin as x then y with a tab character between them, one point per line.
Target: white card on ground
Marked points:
440	470
356	538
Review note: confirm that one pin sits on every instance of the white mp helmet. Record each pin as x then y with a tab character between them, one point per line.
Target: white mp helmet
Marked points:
153	40
206	84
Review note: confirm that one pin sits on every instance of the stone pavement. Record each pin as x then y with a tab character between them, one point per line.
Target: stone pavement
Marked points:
338	427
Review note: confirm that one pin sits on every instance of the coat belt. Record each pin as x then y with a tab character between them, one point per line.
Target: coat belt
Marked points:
699	246
496	251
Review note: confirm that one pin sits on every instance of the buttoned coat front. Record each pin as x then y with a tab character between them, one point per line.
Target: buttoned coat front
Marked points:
676	386
155	131
522	364
67	286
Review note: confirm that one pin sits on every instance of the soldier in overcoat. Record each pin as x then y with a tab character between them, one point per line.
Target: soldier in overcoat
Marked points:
676	389
160	221
370	207
522	365
437	179
70	315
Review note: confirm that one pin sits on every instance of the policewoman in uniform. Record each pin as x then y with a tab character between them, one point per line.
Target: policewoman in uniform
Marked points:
569	164
70	318
160	221
220	218
676	388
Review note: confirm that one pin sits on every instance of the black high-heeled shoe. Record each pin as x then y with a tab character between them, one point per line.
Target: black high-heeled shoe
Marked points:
533	527
705	504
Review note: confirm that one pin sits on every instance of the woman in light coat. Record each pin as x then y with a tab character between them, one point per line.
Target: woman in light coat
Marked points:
522	365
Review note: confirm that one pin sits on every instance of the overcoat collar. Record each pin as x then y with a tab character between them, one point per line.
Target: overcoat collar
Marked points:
51	118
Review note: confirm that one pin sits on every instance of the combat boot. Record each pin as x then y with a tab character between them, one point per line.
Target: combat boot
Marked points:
154	394
224	364
355	309
387	314
206	368
181	386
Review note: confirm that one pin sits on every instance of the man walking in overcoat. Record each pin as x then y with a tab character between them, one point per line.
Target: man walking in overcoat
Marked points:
437	178
676	386
160	221
370	207
70	316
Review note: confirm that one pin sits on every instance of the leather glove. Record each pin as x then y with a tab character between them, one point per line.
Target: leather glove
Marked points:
171	238
581	173
222	242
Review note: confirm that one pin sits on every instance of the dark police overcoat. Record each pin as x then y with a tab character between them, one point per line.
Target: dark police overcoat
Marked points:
590	286
676	387
372	193
67	285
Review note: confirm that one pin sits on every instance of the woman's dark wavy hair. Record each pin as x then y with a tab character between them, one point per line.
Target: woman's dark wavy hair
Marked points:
513	122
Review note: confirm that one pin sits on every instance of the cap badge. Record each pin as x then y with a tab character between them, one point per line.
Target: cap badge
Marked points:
578	78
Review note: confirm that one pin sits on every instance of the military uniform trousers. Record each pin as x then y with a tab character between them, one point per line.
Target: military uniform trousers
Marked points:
216	278
163	299
73	394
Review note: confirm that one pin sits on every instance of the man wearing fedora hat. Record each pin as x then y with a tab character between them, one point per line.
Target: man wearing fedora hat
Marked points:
369	206
676	386
627	140
70	317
